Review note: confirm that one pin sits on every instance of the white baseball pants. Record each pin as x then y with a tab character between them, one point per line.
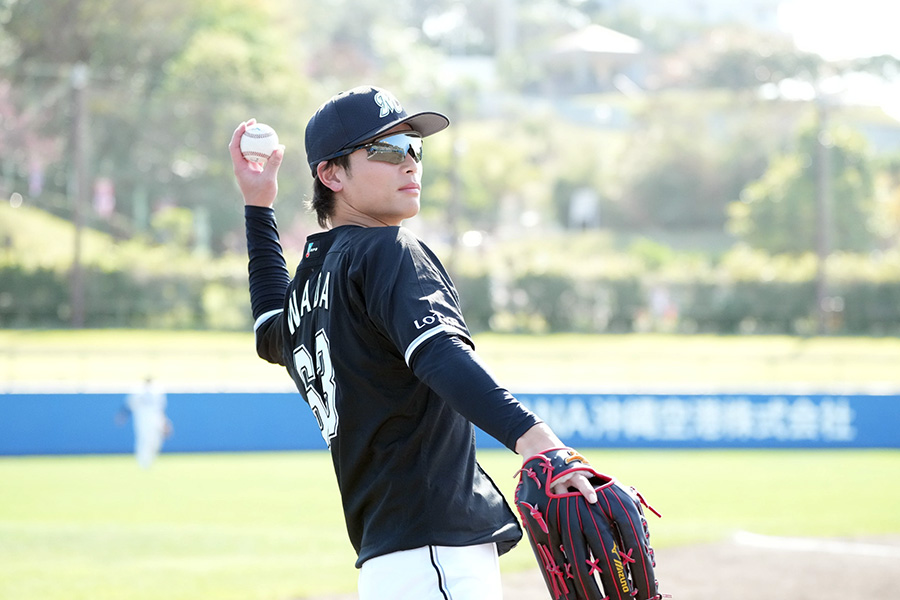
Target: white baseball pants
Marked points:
433	573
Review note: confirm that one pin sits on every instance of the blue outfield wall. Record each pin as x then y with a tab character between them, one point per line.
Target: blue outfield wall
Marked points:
722	420
243	422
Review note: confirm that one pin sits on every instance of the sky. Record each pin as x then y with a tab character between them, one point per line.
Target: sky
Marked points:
840	29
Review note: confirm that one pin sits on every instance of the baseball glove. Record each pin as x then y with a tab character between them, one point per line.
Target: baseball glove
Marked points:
586	551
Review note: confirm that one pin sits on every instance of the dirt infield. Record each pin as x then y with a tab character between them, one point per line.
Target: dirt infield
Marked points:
755	567
752	567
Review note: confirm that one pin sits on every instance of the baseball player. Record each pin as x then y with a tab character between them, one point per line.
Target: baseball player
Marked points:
147	407
371	331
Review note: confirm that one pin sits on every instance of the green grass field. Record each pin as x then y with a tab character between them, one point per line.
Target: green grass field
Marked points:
269	526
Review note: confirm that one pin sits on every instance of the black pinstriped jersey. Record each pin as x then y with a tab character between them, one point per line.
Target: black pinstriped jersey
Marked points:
381	295
371	331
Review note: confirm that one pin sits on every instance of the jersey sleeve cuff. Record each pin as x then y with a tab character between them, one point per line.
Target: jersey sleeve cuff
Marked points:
265	317
427	335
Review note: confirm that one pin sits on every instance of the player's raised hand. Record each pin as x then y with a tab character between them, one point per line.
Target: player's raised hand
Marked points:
258	182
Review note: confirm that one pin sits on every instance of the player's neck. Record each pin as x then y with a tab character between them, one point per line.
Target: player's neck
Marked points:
358	221
346	213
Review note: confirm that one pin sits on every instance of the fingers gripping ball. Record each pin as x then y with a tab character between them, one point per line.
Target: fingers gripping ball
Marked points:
586	551
258	143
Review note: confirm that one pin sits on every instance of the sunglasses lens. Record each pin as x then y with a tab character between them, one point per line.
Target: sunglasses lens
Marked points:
393	149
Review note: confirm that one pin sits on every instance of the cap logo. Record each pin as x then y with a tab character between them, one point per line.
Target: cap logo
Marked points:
388	103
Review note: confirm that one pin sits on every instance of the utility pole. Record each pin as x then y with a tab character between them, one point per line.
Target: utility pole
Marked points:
823	216
506	31
78	186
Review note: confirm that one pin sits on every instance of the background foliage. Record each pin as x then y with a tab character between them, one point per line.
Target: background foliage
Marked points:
705	178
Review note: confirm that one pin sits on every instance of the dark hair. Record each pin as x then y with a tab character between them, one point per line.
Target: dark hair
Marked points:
322	201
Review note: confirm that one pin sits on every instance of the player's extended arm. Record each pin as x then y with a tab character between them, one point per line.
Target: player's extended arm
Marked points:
453	370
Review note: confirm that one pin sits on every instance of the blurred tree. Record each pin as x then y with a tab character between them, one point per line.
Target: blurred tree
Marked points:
686	161
739	58
168	81
778	212
887	196
497	168
174	226
678	188
748	68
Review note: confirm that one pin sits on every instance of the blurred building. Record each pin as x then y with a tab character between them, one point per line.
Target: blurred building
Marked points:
593	59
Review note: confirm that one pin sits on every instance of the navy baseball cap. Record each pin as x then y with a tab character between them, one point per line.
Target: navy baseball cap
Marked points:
358	115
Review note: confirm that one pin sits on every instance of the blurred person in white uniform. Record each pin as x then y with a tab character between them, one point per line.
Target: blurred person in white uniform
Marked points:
147	408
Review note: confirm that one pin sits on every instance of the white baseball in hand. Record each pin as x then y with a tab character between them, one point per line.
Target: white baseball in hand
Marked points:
258	143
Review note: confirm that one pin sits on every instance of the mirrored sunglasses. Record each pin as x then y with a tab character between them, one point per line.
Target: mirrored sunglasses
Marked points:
394	148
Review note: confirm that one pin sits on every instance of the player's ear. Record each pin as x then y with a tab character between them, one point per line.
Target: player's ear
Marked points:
331	175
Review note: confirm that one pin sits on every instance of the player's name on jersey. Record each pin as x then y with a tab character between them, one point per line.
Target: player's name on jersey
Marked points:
319	298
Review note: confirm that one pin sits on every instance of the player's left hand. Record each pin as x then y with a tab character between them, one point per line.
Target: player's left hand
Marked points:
577	480
540	438
258	183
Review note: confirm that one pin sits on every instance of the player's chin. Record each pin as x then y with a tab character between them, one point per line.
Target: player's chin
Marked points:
410	204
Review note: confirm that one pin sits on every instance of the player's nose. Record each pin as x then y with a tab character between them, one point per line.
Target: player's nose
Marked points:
410	164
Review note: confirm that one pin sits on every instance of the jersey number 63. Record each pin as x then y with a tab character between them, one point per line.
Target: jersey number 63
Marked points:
317	374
